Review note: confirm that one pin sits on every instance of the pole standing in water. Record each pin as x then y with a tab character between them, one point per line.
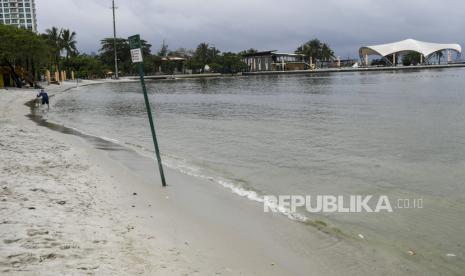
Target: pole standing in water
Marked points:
136	56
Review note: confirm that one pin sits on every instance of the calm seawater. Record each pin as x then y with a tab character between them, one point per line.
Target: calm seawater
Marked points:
400	134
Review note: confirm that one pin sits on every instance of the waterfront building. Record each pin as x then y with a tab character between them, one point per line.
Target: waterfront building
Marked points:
273	61
390	52
20	13
172	65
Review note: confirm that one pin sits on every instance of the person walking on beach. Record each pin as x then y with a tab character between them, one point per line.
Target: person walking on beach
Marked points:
44	96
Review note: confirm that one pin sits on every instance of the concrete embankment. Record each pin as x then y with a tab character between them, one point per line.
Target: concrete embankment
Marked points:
316	71
359	69
183	76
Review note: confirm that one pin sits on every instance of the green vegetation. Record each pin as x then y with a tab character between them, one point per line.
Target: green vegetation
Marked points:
316	49
167	61
85	66
203	55
228	63
125	65
68	43
379	62
248	52
53	39
225	63
25	49
411	58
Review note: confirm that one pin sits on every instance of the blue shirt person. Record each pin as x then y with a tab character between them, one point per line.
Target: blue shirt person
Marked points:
44	96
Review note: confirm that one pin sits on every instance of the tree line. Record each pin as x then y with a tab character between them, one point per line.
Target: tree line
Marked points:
56	50
196	60
163	62
27	54
23	48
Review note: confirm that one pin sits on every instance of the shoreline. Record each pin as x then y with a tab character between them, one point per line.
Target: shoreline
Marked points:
193	226
358	69
293	72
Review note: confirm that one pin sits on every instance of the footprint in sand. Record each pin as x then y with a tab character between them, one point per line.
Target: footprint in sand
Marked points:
18	260
11	241
100	241
88	267
38	190
5	191
50	256
35	232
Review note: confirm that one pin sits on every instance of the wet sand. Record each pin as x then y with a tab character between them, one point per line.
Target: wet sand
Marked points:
71	204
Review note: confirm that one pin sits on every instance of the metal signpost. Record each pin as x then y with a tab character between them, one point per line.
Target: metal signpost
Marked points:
136	56
114	40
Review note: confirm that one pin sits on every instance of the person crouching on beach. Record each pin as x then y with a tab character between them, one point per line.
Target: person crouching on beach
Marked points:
44	96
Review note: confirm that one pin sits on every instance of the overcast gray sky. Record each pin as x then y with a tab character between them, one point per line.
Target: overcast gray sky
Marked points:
234	25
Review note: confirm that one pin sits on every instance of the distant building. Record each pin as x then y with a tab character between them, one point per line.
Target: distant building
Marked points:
172	65
20	13
273	61
390	52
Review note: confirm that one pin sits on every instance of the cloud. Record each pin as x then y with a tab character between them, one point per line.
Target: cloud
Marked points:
261	24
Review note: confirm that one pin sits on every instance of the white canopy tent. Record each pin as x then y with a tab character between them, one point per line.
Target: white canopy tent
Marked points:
426	49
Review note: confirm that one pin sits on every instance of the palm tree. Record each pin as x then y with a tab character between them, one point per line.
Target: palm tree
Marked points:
326	52
203	53
68	42
60	40
317	50
249	51
314	47
53	37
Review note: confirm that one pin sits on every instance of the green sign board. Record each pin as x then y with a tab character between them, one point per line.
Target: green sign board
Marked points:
134	42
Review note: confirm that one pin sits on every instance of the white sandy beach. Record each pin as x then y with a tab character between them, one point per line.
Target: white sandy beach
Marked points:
69	208
56	217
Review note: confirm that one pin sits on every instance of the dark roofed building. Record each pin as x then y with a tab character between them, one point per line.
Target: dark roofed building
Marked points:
273	61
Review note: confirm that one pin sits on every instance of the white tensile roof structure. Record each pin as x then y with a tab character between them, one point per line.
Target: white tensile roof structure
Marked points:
408	45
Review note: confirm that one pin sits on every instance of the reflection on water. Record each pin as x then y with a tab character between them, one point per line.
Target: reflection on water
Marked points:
389	133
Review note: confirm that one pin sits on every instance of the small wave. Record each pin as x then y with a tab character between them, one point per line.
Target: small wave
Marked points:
108	139
93	135
182	167
81	131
